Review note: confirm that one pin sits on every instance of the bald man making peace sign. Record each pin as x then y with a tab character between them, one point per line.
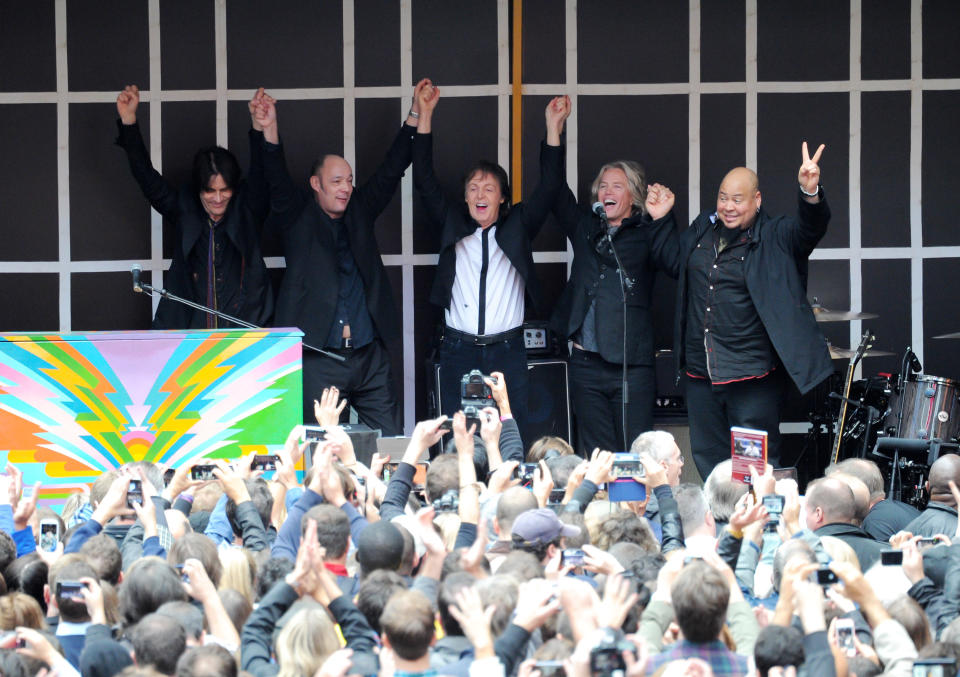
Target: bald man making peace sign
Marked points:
742	321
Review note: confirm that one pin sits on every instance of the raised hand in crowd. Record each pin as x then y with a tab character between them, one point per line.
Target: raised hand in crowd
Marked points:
655	474
114	503
490	428
233	477
329	407
542	483
145	510
474	619
765	484
93	600
747	513
425	435
601	463
498	389
338	664
618	600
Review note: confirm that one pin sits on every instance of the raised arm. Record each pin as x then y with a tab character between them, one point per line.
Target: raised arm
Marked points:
423	177
257	193
285	199
665	241
813	214
544	196
162	196
378	190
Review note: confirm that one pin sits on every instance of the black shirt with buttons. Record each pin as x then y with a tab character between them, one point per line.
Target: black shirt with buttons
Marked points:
725	338
351	297
227	265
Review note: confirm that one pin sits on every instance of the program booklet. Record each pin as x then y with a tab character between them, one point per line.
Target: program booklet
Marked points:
747	448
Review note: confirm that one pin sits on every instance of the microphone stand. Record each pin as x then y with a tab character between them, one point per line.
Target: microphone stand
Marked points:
901	382
625	398
145	288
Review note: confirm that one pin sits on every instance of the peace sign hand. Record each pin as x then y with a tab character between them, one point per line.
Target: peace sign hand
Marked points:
809	176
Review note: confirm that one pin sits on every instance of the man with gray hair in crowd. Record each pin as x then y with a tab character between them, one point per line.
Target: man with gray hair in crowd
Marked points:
660	446
699	530
723	492
885	516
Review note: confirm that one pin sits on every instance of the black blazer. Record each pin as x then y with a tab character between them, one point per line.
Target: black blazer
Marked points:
251	297
594	277
308	293
868	550
775	267
515	230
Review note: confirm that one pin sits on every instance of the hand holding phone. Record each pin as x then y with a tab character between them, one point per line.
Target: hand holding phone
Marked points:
134	493
845	630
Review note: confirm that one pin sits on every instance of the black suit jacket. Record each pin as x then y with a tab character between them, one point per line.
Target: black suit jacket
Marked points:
938	518
868	550
594	277
308	294
515	230
251	297
888	517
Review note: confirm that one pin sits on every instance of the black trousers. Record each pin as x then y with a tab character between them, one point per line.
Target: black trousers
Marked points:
713	409
596	391
458	356
364	379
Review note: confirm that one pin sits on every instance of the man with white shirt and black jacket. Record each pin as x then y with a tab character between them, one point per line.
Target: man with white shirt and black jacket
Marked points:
486	260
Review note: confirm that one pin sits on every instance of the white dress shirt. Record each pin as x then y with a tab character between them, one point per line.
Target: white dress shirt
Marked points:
504	288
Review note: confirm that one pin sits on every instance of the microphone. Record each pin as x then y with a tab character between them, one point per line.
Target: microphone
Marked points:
904	444
135	270
915	365
600	211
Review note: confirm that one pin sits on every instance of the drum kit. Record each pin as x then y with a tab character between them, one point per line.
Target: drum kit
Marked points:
902	421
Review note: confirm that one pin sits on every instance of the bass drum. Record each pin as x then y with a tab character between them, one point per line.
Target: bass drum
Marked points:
930	406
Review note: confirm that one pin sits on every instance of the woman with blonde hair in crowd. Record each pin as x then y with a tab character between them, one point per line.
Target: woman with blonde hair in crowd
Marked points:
239	572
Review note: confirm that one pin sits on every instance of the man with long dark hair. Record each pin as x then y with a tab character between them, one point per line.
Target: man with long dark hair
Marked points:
218	219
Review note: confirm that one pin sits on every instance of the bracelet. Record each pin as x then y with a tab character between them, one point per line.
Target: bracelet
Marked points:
733	532
815	193
506	417
413	114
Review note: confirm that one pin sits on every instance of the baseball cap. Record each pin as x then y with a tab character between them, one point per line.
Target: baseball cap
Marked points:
541	526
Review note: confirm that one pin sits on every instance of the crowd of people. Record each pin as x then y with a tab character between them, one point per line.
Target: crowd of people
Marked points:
514	556
506	561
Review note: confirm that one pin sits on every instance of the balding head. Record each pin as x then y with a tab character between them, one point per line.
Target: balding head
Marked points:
861	494
738	200
829	501
944	470
743	176
513	501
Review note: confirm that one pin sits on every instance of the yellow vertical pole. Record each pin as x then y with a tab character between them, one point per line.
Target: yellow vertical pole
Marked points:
516	122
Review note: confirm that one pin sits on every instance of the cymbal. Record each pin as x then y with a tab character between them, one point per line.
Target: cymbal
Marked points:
847	353
954	335
822	314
